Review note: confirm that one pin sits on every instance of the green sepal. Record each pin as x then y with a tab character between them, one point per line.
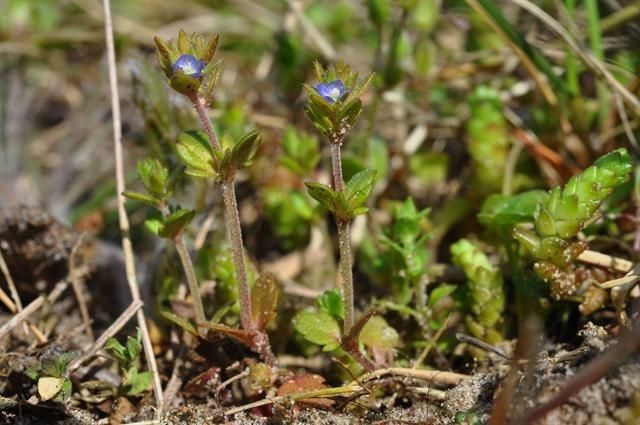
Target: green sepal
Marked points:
318	328
185	84
194	150
175	223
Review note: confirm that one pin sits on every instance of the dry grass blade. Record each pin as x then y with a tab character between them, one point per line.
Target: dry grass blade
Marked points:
122	214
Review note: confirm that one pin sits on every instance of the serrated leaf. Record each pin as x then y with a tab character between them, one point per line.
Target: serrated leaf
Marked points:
49	386
357	190
194	150
323	194
137	196
318	328
331	303
173	225
264	300
154	177
245	149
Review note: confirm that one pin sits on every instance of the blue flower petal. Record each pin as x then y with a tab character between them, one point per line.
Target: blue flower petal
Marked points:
331	91
189	65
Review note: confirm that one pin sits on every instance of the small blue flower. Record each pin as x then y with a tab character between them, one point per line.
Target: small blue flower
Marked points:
189	65
331	91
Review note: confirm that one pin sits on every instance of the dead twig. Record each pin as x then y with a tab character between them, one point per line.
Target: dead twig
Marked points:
122	213
627	344
32	308
77	283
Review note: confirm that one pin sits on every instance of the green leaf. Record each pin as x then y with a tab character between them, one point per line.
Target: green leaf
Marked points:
134	346
500	210
331	303
194	150
137	196
118	350
180	321
245	149
154	177
318	328
357	190
323	194
377	334
154	225
55	364
173	225
136	382
264	300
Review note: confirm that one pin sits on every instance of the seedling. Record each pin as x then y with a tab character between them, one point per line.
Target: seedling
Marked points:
52	376
133	382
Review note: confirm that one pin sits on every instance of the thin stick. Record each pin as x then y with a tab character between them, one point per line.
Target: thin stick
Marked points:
587	58
32	308
78	285
320	41
448	378
6	300
12	288
111	331
122	214
606	261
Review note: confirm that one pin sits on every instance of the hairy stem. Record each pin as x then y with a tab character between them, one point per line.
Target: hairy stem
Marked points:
234	232
344	243
192	281
189	272
203	114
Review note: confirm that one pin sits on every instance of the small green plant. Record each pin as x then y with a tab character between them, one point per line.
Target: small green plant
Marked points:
322	326
486	291
334	106
52	375
559	218
188	64
133	381
487	140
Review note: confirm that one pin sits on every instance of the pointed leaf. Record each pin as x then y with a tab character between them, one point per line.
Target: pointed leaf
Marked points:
137	196
180	321
195	152
176	222
264	300
359	187
245	149
239	335
323	194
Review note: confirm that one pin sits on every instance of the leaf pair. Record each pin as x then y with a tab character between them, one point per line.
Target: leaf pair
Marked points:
349	203
195	151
